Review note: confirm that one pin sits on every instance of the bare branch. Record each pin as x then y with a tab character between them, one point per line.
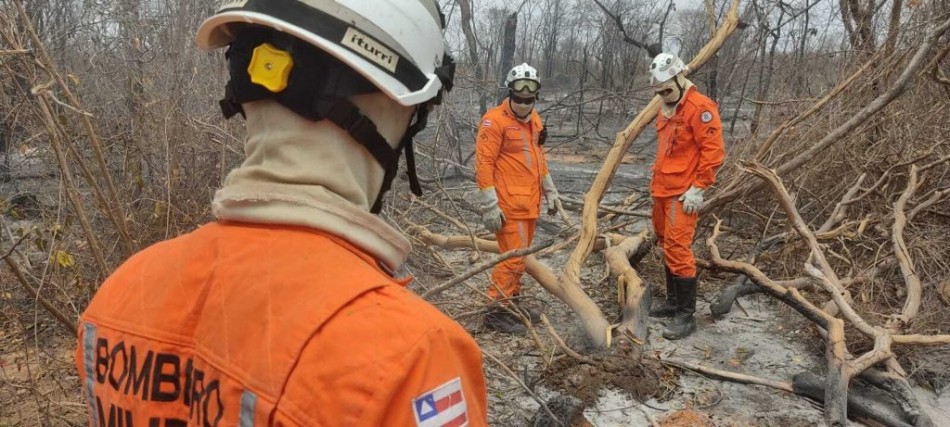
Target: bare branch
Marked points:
916	339
62	318
652	50
524	386
459	224
912	303
827	275
467	274
641	214
880	352
631	292
560	342
111	204
935	73
730	376
16	243
841	209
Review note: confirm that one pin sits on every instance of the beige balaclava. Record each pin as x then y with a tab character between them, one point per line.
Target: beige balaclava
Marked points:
313	174
674	98
522	111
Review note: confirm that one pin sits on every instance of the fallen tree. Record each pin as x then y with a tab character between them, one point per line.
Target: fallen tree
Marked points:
842	366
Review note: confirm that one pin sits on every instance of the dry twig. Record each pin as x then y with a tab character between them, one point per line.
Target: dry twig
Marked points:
524	386
465	275
730	376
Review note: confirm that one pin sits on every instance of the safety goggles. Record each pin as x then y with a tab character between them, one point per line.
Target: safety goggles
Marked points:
522	100
525	85
664	92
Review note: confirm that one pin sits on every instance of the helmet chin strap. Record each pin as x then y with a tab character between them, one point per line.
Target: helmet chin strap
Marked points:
679	87
415	126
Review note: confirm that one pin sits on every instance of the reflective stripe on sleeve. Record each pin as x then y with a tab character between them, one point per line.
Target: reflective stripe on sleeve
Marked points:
89	363
248	405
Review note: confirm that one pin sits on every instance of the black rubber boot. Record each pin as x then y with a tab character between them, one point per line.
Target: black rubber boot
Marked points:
527	307
668	308
534	315
683	323
501	320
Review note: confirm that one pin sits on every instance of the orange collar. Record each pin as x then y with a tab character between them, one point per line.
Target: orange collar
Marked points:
679	107
692	89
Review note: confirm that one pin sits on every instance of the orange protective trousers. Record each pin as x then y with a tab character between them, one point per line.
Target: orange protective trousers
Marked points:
506	277
674	234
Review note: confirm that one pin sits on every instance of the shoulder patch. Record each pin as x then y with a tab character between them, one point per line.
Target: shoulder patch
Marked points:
706	117
441	406
486	123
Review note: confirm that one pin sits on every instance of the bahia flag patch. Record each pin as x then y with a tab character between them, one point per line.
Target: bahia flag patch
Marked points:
443	406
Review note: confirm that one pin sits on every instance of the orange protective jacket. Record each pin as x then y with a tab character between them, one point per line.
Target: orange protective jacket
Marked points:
508	158
253	325
689	146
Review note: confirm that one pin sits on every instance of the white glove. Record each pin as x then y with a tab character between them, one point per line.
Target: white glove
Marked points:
492	218
551	195
692	200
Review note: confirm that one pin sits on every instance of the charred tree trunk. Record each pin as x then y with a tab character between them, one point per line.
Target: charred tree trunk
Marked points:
713	65
552	31
507	51
893	27
859	24
465	8
765	78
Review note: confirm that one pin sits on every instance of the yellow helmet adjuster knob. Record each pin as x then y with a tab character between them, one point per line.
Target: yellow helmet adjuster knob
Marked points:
270	67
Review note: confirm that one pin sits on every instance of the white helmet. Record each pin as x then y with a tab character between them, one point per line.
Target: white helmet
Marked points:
525	73
395	44
664	67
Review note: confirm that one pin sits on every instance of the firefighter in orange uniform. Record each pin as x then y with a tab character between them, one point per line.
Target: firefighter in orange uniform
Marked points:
288	309
689	151
512	176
